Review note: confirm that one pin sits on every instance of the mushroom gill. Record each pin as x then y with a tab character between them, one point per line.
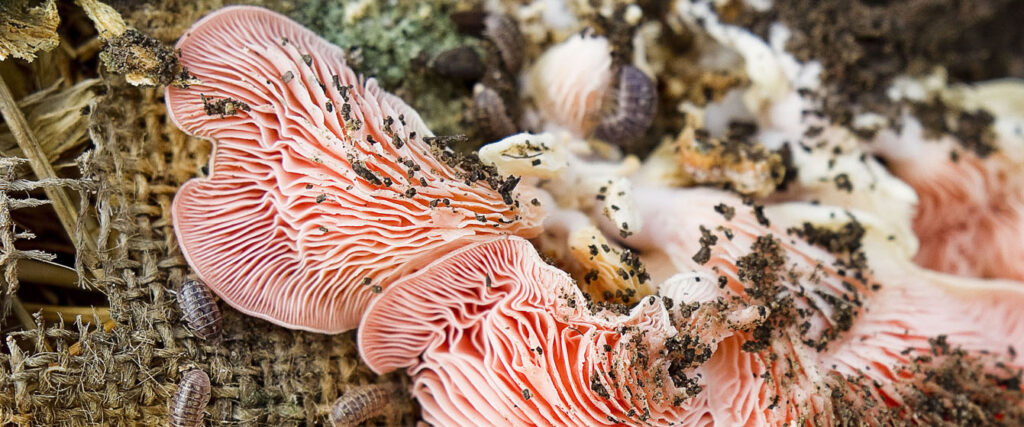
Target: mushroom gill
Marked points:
836	322
970	215
769	326
323	188
492	334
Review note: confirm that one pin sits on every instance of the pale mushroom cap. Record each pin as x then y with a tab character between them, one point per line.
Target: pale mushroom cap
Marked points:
305	213
570	80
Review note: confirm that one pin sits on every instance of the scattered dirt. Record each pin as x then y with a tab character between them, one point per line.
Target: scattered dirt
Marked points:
973	130
864	44
959	389
946	387
844	243
223	107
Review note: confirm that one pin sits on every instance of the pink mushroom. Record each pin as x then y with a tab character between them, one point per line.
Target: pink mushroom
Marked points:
970	217
569	82
845	330
506	339
322	189
766	328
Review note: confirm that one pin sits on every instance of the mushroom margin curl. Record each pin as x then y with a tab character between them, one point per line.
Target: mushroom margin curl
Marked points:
505	337
322	189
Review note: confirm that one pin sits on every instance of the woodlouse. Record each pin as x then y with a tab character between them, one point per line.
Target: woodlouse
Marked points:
199	309
461	63
632	108
361	403
490	114
189	401
504	33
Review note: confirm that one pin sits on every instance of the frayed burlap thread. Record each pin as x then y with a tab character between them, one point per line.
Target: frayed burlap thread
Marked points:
124	371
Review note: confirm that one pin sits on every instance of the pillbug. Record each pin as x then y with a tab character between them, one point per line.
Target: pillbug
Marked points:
199	309
459	63
361	403
490	113
189	401
632	108
505	35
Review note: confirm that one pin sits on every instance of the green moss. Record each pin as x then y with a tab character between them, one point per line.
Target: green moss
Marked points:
394	40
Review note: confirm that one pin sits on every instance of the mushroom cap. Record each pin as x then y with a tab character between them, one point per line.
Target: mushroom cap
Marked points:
888	326
491	332
322	189
570	80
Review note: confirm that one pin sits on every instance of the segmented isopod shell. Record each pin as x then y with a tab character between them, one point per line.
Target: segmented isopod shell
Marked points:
459	63
633	109
361	403
505	35
199	309
189	401
490	113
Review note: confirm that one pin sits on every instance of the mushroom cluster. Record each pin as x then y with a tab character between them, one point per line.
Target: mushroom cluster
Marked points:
768	317
330	205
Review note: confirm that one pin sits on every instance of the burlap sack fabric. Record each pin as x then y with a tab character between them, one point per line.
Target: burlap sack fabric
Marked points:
120	161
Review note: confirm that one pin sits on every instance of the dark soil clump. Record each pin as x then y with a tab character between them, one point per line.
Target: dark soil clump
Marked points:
864	44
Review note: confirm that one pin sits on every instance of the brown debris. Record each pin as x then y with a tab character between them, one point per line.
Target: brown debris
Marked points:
223	107
845	243
973	130
141	59
735	163
944	387
27	27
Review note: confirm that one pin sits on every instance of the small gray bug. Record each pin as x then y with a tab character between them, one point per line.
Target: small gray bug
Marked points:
361	403
189	401
504	33
199	309
459	63
490	113
632	108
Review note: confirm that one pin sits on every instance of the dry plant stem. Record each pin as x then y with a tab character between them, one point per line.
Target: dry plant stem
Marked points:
54	313
47	273
89	48
60	200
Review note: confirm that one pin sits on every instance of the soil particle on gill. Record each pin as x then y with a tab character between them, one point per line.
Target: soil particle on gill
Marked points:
845	242
223	107
474	169
946	386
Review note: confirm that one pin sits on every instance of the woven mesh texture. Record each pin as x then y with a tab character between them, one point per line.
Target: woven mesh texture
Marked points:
123	371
